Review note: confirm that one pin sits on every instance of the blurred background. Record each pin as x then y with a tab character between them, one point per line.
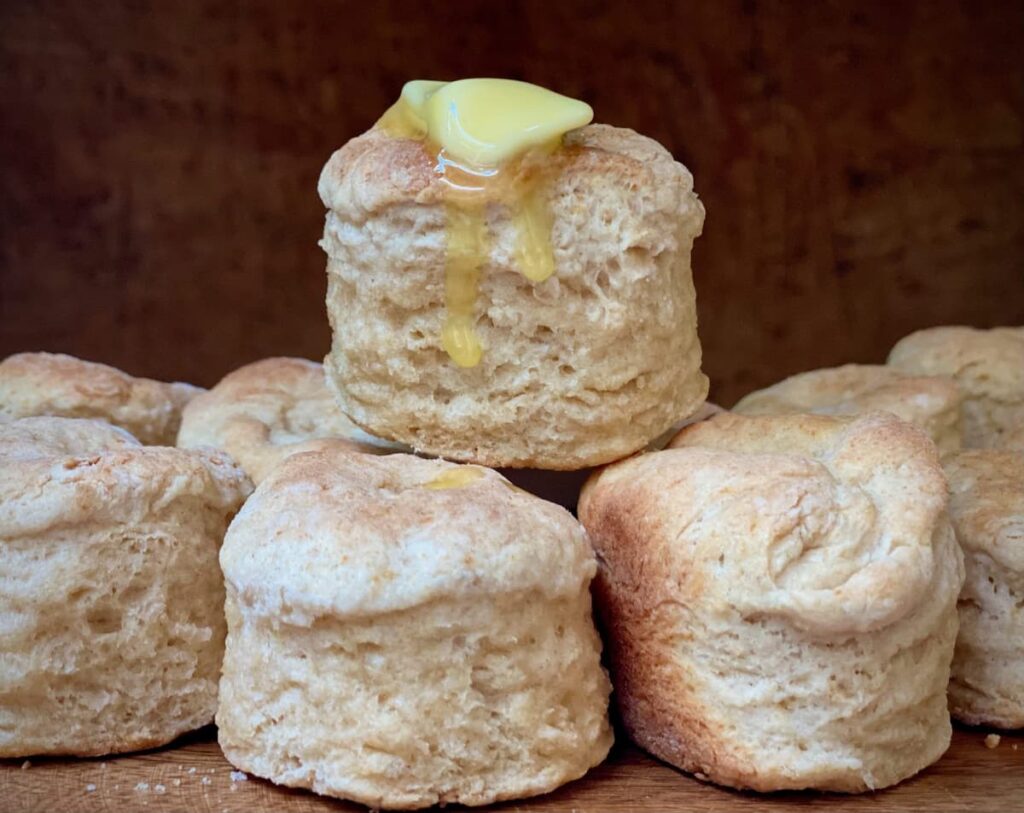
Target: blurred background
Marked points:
861	163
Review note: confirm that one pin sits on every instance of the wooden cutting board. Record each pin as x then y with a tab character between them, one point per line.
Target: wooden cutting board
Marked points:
192	775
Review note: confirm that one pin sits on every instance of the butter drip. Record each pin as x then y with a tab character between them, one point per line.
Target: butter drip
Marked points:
454	478
487	135
466	252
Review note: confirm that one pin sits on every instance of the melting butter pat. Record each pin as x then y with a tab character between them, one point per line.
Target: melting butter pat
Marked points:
485	122
454	478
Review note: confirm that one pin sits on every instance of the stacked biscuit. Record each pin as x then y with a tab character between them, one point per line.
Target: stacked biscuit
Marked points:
453	607
393	621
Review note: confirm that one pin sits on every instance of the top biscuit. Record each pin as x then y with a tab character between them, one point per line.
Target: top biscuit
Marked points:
33	384
585	367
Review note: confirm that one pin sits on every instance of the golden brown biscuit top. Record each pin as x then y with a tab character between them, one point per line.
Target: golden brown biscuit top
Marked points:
987	503
54	384
375	170
829	523
853	388
984	362
332	532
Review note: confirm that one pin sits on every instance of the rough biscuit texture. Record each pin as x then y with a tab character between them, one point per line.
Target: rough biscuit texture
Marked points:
53	384
987	509
930	402
581	369
402	645
264	412
987	364
110	595
779	597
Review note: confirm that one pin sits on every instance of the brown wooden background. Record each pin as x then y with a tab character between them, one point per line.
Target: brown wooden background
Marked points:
861	162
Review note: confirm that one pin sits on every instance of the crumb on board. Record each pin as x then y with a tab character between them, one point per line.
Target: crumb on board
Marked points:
103	766
26	765
992	741
90	788
177	783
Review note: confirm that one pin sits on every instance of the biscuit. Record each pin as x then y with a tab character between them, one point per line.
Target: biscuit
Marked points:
405	632
33	384
779	599
987	364
987	510
110	592
268	410
930	402
583	368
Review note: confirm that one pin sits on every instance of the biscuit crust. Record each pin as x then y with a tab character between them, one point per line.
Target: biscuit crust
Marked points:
930	402
988	365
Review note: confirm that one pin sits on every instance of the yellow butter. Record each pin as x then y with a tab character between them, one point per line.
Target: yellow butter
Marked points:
485	122
454	478
465	254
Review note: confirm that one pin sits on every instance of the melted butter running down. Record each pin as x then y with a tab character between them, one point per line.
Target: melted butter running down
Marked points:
454	478
490	138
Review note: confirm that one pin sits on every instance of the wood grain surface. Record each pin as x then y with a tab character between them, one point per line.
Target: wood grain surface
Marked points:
861	162
192	775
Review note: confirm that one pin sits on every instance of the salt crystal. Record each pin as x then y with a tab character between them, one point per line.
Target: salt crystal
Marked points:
160	789
142	786
177	783
239	776
206	780
192	770
90	788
